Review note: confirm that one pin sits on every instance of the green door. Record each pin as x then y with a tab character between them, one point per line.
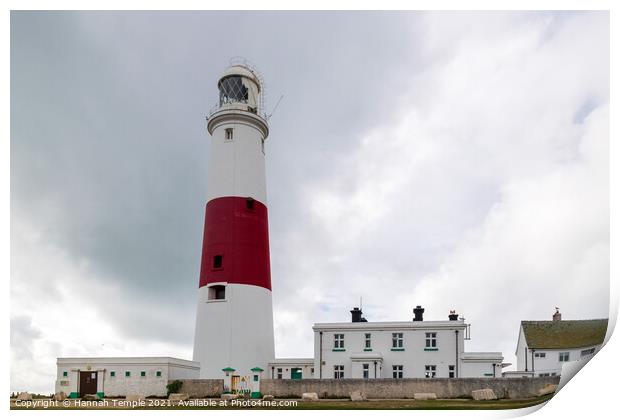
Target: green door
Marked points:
296	373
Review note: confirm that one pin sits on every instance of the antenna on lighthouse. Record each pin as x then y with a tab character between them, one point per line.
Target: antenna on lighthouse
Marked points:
274	108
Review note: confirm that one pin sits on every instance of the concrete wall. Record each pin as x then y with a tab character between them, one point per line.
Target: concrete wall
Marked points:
201	388
514	388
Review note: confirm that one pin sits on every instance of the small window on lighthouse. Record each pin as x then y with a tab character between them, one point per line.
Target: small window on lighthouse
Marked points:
249	203
217	292
217	261
229	134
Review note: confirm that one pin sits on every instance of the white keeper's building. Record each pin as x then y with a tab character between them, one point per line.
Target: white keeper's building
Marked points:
409	349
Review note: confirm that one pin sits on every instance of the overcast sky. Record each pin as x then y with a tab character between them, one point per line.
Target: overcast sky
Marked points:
449	160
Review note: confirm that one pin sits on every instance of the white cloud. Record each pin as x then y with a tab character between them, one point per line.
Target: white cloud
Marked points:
544	244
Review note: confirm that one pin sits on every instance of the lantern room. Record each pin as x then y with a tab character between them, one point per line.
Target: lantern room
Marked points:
240	88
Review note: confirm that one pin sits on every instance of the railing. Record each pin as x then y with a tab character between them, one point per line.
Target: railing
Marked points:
234	106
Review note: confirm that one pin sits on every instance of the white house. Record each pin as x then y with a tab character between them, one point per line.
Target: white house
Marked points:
410	349
120	376
543	346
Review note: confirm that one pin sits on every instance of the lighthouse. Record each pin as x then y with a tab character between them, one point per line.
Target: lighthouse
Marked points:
234	318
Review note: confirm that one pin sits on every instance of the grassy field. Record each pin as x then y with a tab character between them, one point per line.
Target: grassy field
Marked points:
216	404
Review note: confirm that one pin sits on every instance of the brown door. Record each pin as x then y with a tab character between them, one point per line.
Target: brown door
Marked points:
88	383
234	384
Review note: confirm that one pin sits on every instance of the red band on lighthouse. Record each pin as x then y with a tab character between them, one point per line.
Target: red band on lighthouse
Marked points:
236	243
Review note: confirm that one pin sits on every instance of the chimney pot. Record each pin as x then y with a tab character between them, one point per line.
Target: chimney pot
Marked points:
453	316
418	312
356	315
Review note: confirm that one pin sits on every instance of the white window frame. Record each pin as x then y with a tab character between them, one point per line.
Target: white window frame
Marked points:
431	340
338	371
367	340
451	371
564	356
339	341
430	371
366	370
228	134
540	355
397	340
397	371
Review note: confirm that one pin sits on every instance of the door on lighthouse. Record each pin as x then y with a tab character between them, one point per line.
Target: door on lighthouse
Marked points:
88	383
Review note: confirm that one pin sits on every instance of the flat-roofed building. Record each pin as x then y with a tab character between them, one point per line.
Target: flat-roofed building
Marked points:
120	376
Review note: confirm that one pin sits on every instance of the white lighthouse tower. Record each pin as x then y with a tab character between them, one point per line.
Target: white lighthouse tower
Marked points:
234	321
